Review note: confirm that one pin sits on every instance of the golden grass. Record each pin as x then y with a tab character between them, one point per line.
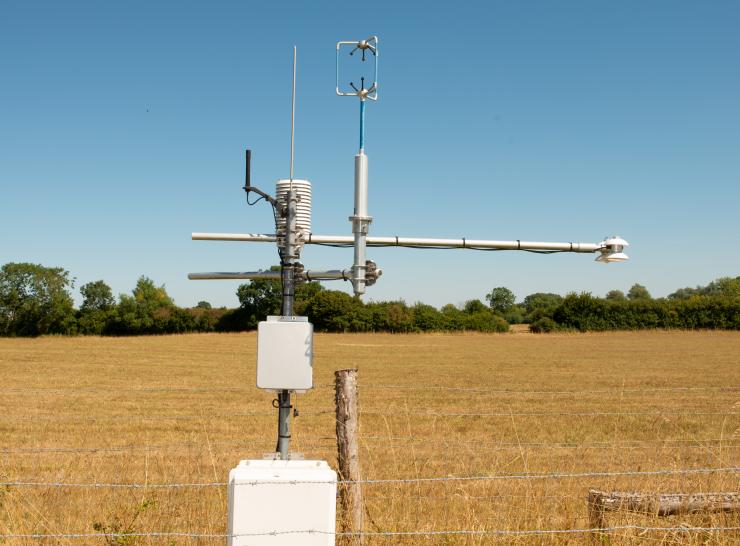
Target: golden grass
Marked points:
184	409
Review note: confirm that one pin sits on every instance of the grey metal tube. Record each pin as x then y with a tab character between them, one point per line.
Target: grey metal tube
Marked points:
289	257
246	275
330	275
348	240
360	223
248	237
287	273
283	442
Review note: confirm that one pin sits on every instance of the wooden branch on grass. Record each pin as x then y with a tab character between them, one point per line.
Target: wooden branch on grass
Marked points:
655	504
664	504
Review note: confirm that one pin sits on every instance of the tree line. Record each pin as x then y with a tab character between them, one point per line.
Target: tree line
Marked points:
714	306
37	300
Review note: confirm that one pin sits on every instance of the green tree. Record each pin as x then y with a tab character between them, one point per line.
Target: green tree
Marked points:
515	315
638	292
541	300
204	305
427	318
97	309
151	296
303	294
335	311
35	300
260	298
485	321
500	299
474	306
615	295
452	318
685	293
149	310
543	326
96	296
726	287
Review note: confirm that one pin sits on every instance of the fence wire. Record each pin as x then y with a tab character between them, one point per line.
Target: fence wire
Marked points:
494	477
195	390
398	534
615	390
410	441
400	413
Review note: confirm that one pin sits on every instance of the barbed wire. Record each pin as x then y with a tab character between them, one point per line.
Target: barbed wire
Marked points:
109	390
478	442
494	477
134	418
411	440
461	496
616	390
192	390
470	532
550	413
256	448
131	418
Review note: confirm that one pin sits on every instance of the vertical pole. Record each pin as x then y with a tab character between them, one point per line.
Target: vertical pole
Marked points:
348	451
284	407
360	223
287	277
288	283
289	255
360	219
292	118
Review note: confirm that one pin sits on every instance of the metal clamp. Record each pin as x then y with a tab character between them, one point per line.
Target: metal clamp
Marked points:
372	272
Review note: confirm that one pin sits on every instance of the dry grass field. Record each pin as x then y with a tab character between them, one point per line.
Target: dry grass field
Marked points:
184	409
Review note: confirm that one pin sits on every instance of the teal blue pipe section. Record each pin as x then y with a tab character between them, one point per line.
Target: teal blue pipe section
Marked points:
362	124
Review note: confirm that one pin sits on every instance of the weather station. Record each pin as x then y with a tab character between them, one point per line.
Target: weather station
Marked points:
261	511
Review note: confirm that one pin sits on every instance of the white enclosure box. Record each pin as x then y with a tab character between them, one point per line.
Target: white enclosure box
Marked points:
285	354
271	496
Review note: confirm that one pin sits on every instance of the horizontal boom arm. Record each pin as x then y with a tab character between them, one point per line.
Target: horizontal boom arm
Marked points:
418	242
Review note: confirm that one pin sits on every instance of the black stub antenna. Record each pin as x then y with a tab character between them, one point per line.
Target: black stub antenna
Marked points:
248	172
248	182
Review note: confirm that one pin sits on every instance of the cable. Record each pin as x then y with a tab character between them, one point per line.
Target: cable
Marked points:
252	203
426	247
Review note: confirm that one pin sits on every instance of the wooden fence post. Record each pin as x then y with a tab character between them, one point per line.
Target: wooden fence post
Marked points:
596	517
348	451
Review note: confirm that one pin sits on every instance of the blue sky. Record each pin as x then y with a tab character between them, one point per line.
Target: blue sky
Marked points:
123	127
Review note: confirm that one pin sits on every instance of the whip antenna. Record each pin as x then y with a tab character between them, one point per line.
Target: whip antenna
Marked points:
292	119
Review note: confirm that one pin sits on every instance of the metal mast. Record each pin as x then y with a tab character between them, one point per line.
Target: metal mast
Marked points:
360	219
288	259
